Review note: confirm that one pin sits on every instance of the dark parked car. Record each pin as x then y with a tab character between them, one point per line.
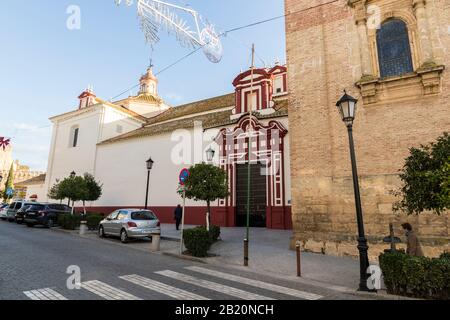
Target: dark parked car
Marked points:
20	214
45	214
14	207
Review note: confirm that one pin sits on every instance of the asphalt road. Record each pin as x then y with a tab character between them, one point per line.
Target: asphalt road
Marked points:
34	263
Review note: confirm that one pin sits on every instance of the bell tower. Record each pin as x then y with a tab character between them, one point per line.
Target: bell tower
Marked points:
87	98
149	83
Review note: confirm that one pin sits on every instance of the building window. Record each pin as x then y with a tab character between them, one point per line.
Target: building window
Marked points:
394	51
252	101
278	85
74	135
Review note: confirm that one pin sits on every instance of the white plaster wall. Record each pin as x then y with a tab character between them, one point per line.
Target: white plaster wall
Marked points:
63	158
146	109
37	189
111	118
122	169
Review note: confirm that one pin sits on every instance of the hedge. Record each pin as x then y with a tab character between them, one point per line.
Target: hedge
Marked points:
69	221
93	220
418	277
197	241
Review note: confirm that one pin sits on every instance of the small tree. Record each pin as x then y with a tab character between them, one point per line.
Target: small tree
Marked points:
55	192
76	189
93	190
426	179
206	183
9	185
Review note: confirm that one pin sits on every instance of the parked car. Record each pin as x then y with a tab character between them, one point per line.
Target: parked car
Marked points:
45	214
20	214
130	223
3	211
14	207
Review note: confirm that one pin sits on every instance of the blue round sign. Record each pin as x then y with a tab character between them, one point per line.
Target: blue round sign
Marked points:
184	174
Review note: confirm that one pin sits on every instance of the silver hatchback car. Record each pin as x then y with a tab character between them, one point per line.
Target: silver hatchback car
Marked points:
130	223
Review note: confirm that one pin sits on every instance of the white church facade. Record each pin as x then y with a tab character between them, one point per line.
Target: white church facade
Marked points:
113	140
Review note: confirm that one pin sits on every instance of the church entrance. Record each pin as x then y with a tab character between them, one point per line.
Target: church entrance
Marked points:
258	195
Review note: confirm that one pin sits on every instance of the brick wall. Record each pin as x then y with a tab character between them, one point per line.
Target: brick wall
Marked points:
323	52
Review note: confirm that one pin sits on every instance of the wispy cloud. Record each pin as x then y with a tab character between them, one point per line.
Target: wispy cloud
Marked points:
30	143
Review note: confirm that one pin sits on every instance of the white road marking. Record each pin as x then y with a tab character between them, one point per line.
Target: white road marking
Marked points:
106	291
241	294
258	284
44	294
165	289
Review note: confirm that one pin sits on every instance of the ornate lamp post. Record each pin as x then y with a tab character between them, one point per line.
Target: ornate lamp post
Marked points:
347	109
149	163
73	174
210	155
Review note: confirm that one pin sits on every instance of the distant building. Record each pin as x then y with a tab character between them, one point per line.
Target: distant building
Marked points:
113	140
21	172
34	188
5	164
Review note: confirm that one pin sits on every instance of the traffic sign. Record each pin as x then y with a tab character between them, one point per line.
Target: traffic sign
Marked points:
184	175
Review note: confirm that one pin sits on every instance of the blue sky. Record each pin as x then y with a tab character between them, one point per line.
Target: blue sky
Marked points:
44	66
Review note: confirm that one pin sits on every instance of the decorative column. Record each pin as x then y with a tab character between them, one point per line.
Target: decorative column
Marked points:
361	23
423	30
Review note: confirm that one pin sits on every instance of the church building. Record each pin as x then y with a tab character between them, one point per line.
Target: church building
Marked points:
393	56
113	141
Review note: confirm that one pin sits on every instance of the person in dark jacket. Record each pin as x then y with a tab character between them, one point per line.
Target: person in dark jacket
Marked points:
413	245
178	216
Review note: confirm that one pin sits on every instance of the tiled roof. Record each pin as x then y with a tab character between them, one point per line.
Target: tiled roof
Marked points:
189	109
176	118
36	180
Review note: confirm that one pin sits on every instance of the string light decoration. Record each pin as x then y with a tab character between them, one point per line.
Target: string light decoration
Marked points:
155	15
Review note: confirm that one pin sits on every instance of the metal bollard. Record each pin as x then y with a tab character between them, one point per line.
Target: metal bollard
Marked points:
299	267
83	228
246	252
156	242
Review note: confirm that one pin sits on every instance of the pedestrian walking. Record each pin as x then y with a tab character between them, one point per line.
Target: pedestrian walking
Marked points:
178	216
413	245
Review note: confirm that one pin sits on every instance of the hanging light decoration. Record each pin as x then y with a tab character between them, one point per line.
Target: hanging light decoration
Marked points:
155	15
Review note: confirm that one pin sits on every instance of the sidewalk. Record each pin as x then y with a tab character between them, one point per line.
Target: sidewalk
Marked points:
269	253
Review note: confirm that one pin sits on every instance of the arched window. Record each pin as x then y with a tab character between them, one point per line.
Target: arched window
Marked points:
394	51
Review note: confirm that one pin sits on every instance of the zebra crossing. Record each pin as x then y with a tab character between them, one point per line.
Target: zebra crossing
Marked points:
107	291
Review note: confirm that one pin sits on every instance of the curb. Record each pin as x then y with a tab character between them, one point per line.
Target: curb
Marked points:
170	239
184	257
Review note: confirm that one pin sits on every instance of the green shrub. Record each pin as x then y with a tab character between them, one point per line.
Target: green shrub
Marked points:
68	221
214	233
445	255
197	241
93	220
418	277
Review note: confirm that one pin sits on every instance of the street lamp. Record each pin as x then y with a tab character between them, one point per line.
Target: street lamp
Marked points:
149	163
73	174
210	154
347	109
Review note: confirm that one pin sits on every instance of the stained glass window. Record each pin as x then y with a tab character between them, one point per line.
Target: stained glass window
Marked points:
394	51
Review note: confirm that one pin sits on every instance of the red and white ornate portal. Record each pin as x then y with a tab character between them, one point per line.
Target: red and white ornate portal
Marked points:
265	148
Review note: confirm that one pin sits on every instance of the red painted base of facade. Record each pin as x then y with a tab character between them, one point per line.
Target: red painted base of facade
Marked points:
277	217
